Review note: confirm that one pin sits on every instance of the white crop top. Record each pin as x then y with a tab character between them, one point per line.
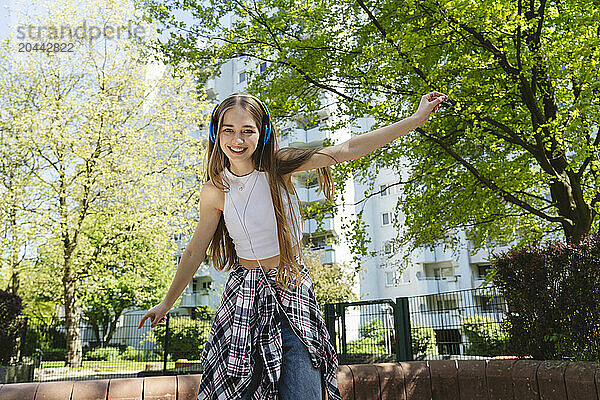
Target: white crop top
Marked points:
259	220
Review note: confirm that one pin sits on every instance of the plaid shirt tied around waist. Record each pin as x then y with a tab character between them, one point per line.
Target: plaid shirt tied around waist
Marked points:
245	322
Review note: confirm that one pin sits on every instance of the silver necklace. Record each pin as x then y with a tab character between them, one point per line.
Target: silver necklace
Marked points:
240	185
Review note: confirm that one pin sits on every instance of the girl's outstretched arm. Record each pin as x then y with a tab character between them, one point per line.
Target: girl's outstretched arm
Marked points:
360	145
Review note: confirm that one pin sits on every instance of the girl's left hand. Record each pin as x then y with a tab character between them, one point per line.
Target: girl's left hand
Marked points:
429	103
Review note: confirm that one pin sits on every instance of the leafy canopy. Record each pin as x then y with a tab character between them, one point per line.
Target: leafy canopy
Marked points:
513	155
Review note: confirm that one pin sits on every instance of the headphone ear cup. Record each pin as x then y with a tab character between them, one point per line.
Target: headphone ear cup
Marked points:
212	134
267	131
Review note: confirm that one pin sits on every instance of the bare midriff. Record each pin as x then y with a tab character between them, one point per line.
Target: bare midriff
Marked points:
267	263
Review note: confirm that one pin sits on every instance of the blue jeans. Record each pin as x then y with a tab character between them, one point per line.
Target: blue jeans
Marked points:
299	379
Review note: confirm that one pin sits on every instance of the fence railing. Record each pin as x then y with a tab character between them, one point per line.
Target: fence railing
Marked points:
462	324
167	349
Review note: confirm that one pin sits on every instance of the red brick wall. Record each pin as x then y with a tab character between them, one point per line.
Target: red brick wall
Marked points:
416	380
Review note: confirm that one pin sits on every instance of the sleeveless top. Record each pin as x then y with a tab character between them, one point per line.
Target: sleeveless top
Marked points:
249	200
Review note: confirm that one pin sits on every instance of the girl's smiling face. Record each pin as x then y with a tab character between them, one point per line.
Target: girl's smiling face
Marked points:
238	136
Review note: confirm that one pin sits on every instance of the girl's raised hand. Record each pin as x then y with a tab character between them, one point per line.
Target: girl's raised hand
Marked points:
156	315
430	102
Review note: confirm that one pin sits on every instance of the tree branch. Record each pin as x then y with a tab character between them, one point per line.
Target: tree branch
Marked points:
406	57
491	185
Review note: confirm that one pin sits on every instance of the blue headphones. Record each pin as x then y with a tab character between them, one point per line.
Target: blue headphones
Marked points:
267	127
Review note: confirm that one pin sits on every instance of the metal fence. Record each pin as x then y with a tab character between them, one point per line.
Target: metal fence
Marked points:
454	325
463	324
170	348
458	325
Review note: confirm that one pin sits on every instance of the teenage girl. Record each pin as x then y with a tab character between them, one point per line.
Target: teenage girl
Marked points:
268	339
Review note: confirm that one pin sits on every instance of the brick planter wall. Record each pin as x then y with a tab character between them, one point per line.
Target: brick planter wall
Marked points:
416	380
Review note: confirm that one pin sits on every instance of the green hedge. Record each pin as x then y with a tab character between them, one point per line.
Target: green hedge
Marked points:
186	337
371	340
485	336
102	354
423	340
53	354
553	295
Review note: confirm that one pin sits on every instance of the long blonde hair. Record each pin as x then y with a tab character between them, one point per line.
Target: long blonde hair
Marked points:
277	163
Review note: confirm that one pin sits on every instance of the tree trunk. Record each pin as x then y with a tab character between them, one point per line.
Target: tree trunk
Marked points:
72	320
14	249
112	328
568	196
96	330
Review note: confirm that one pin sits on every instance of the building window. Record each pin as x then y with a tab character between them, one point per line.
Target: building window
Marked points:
386	218
390	278
388	247
404	278
437	302
389	189
448	341
483	270
443	272
263	66
242	77
197	285
394	278
383	189
487	303
311	180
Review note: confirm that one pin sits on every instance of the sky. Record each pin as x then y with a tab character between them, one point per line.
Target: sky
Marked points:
12	11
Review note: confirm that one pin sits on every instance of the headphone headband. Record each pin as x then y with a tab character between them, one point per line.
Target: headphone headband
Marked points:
212	134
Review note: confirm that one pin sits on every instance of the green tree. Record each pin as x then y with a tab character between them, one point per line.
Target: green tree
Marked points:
332	282
107	133
124	272
187	337
514	154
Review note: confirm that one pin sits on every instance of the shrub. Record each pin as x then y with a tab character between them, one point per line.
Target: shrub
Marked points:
102	354
54	354
41	335
133	354
204	312
553	297
371	340
486	337
10	325
186	337
423	340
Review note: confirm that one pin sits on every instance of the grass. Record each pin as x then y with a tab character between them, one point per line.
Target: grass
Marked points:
119	365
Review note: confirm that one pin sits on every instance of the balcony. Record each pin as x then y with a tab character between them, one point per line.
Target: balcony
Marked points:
310	225
431	285
309	194
326	252
481	256
437	254
315	136
200	298
296	137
